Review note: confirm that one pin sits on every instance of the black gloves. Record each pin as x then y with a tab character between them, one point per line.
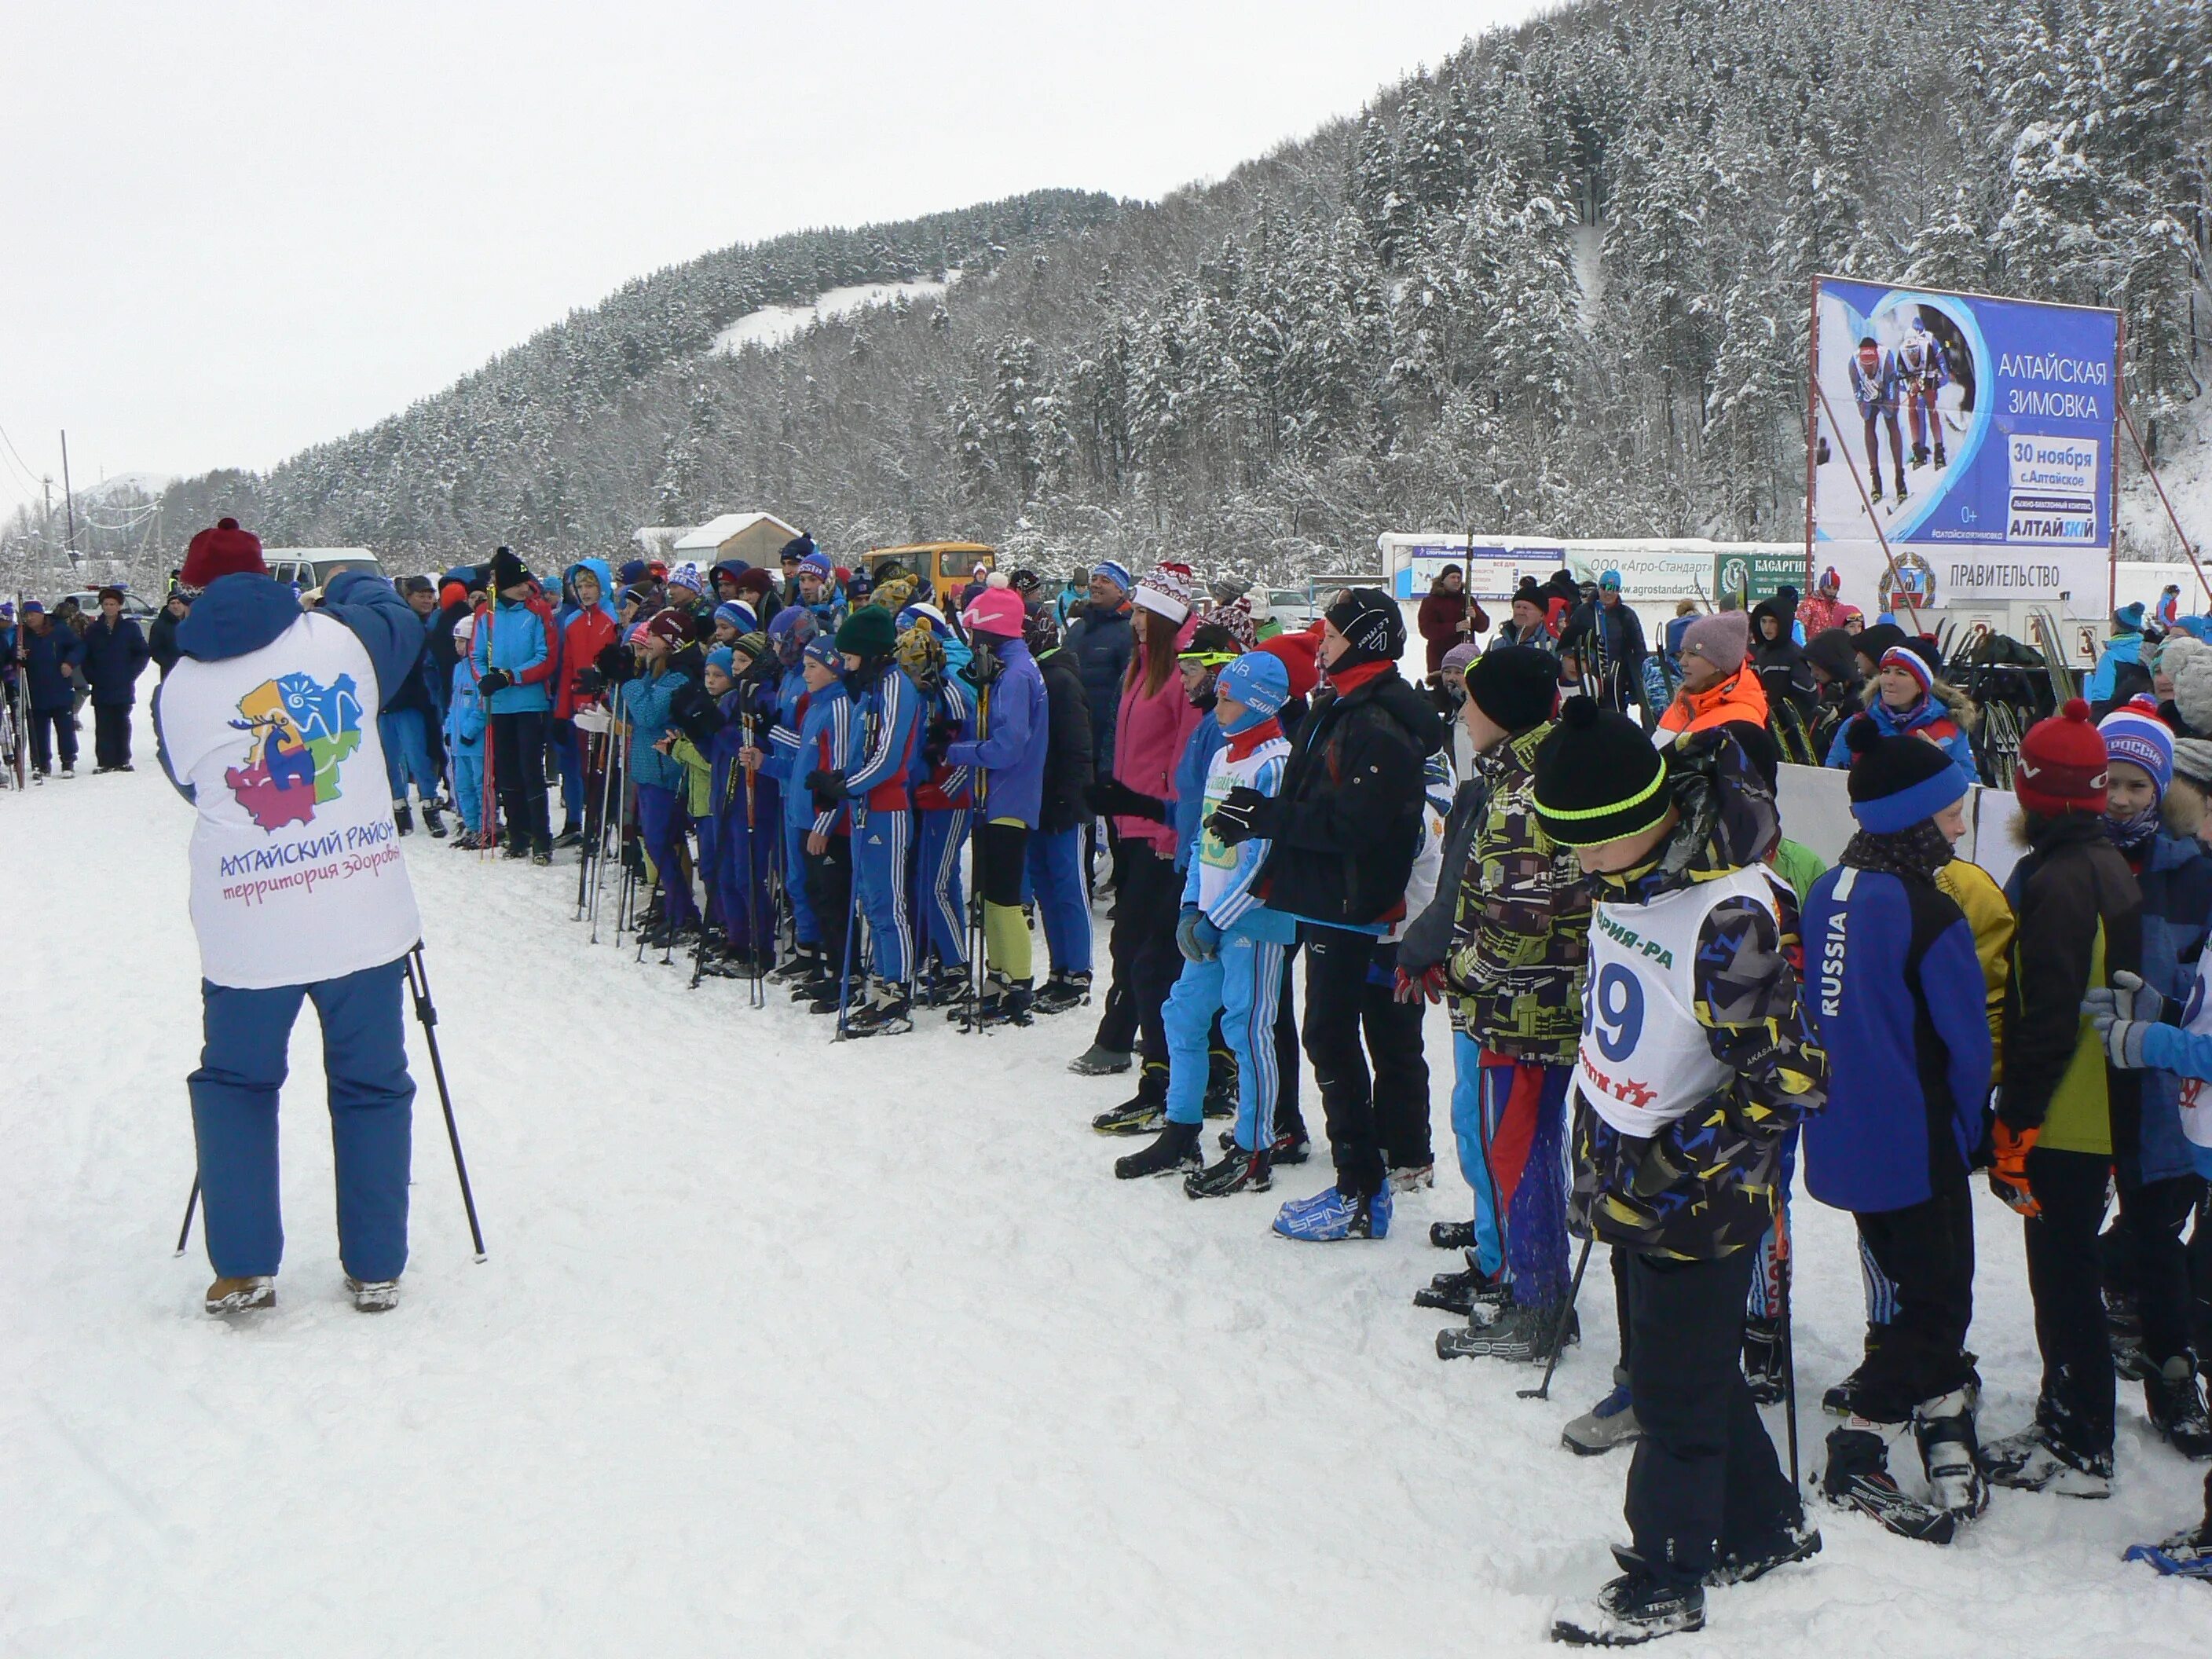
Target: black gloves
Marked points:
943	734
590	683
1244	814
827	786
616	664
494	680
1111	797
984	666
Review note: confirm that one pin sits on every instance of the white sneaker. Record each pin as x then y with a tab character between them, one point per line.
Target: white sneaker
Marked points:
374	1295
69	771
1408	1177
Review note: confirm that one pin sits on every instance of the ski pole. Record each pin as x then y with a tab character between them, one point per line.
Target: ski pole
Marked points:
758	996
1788	1346
1543	1390
184	1232
852	918
418	982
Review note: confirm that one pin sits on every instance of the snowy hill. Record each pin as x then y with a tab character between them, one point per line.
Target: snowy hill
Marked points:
791	1348
771	326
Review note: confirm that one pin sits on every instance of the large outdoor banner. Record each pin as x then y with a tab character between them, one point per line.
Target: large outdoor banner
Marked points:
1981	429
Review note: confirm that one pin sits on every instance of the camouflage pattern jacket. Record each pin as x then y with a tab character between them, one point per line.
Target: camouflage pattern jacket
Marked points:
1708	1184
1521	939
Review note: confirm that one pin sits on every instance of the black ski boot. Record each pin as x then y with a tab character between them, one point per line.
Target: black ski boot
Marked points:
402	819
541	849
1800	1543
886	1012
433	822
1221	1085
1005	1002
805	963
2175	1401
1239	1172
1174	1152
1062	992
1145	1115
826	995
1291	1145
1462	1292
1858	1478
1452	1234
1841	1399
1764	1362
1638	1607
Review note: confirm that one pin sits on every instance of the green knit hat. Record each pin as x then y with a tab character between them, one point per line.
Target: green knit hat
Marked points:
869	631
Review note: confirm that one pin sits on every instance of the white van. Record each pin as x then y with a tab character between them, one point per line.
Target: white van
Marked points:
307	567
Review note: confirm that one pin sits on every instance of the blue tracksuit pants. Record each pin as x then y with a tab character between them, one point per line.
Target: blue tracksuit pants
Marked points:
880	853
372	1098
804	925
1468	1132
1055	878
406	739
660	821
468	786
741	858
937	884
1244	984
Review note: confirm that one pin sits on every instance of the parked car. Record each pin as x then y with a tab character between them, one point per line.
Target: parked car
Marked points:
310	568
1294	607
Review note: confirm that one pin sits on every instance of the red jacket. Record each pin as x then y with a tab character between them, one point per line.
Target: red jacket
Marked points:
587	633
1439	619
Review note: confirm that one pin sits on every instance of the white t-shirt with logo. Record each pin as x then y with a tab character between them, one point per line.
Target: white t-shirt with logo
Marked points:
297	875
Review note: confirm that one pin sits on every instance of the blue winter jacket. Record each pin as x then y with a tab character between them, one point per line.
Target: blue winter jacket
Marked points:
512	636
1016	730
1101	641
782	739
1206	740
888	732
111	661
464	712
1930	712
824	738
44	655
2125	648
645	710
2175	879
1894	991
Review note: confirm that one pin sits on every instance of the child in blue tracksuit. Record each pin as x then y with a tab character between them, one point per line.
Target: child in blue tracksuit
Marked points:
942	798
788	636
661	783
1008	750
1233	949
1894	990
873	780
464	741
821	740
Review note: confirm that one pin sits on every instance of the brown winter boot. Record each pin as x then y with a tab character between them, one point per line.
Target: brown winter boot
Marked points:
229	1295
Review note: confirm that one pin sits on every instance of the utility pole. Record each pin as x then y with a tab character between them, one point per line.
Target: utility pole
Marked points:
69	500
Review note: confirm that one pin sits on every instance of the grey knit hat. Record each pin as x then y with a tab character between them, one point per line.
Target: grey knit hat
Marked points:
2188	663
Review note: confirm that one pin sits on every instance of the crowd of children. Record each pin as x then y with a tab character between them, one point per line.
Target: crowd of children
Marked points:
823	781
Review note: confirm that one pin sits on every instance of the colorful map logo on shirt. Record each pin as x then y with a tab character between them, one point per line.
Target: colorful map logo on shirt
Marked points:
301	730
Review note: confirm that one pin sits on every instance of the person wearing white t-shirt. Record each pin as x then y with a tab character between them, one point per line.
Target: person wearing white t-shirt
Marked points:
267	725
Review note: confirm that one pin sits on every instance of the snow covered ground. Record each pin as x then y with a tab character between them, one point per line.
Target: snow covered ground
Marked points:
771	326
789	1348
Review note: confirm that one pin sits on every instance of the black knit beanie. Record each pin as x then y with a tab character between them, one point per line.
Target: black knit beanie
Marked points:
1514	685
1896	782
507	571
1598	778
1373	626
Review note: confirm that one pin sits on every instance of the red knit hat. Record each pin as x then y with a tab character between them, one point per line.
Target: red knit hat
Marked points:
225	550
1299	654
670	626
2061	765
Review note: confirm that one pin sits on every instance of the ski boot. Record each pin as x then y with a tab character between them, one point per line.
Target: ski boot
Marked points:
230	1296
1919	460
1944	1428
1462	1292
804	962
1518	1332
1062	992
885	1013
2123	1330
1764	1362
2175	1401
1611	1422
1099	1061
1239	1172
2036	1459
1857	1478
372	1295
402	819
1174	1152
942	987
828	994
1147	1113
1291	1145
541	849
1800	1543
572	835
1220	1084
1411	1177
1638	1607
1006	1001
433	822
2187	1554
1452	1234
1902	492
1942	459
518	846
1841	1399
1332	1215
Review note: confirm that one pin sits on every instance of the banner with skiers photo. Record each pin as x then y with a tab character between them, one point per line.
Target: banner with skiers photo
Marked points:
1974	435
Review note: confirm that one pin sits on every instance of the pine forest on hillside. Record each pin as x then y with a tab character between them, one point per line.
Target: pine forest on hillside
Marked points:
1558	285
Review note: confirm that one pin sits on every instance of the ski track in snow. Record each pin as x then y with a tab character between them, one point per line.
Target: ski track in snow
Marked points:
794	1348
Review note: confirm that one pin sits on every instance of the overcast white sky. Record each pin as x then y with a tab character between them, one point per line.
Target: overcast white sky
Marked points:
234	229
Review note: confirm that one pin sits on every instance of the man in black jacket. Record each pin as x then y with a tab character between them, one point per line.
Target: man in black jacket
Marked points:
1344	831
115	655
1055	851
